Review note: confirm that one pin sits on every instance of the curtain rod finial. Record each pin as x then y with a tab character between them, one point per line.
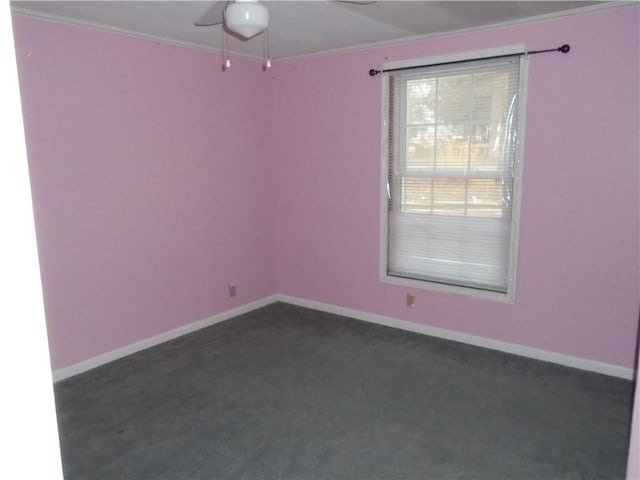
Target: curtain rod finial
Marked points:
373	72
564	48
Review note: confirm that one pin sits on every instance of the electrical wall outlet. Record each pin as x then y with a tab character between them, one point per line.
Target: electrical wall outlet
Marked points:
411	300
232	289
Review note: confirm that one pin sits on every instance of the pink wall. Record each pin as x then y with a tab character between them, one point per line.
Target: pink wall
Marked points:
578	275
154	175
633	465
158	179
151	180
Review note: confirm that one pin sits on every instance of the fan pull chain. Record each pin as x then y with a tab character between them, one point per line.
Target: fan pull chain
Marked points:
226	65
266	51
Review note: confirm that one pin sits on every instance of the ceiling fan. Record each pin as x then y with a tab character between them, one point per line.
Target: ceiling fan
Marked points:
247	18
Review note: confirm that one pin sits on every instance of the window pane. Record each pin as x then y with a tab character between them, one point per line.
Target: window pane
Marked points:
416	195
454	99
421	95
486	198
445	196
452	147
449	196
420	148
482	102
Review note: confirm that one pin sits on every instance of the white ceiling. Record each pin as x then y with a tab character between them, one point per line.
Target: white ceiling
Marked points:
302	28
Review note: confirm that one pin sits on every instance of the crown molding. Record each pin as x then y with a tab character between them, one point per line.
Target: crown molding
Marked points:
598	8
100	27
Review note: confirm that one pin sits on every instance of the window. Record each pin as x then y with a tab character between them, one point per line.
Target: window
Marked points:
451	186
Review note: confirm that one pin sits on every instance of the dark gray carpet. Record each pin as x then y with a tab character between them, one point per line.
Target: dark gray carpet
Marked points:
290	393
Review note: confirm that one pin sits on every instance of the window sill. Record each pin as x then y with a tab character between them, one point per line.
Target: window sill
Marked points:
508	297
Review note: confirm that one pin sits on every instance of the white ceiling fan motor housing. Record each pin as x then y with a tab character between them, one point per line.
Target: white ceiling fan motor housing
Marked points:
246	17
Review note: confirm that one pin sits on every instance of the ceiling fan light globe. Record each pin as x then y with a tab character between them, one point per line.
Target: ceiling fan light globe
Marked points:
246	18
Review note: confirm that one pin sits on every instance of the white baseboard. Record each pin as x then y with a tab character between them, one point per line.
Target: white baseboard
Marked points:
94	362
513	348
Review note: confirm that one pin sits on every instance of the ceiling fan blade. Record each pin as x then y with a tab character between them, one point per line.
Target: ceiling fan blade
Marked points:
213	16
357	2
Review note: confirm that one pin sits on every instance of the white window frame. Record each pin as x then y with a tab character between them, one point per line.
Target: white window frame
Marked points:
510	295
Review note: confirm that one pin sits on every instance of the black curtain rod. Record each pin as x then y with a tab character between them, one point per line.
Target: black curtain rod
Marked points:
564	49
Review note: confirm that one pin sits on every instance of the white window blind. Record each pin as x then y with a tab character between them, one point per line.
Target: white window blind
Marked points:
452	138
